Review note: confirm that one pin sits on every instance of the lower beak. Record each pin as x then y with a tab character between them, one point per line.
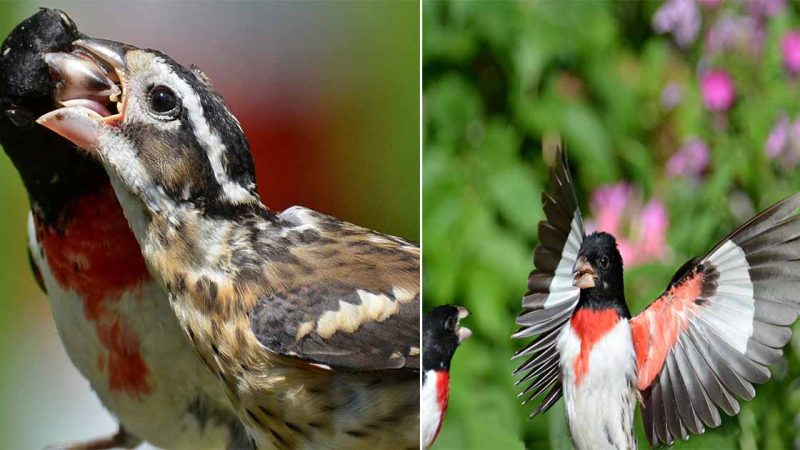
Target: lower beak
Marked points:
583	274
463	333
87	89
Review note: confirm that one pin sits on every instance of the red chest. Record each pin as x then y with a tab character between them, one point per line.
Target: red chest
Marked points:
96	256
590	325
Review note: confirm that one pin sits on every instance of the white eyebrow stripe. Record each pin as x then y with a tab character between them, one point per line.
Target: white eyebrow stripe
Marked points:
210	141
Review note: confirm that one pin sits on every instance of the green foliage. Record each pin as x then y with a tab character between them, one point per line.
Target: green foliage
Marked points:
502	80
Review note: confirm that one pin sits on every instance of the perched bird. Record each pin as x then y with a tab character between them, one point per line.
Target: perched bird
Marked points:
113	319
708	337
441	336
310	324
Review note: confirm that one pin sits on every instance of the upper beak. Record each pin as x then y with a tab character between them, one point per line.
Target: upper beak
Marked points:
463	333
583	274
87	89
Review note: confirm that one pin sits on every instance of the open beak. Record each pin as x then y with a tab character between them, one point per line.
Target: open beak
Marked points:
90	88
463	333
583	274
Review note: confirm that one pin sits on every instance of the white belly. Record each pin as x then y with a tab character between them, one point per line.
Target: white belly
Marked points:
183	406
600	408
431	414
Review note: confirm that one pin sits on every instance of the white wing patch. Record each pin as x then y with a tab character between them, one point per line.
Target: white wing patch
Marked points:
731	314
561	288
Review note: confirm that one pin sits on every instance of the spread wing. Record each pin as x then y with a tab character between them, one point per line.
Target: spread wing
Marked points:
717	326
551	297
353	305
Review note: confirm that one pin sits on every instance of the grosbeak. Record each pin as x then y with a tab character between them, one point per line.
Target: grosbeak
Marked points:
708	337
441	335
310	324
113	319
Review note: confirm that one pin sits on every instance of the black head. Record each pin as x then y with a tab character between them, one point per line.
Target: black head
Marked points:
53	173
441	335
598	270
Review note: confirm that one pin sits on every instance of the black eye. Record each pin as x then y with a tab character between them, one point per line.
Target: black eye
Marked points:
450	324
604	262
163	101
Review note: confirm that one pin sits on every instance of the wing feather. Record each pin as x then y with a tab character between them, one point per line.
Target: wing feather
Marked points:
551	298
722	320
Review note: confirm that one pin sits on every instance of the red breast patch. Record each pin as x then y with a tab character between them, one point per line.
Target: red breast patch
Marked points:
96	255
442	396
590	325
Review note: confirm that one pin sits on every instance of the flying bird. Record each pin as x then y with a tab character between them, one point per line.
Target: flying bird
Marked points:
309	323
707	339
113	319
441	336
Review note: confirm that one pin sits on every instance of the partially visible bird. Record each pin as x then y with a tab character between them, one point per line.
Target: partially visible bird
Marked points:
707	338
441	336
311	324
113	319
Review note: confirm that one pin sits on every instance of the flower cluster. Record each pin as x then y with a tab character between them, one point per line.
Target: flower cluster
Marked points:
640	228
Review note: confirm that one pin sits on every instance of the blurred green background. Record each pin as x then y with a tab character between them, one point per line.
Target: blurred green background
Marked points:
328	94
679	118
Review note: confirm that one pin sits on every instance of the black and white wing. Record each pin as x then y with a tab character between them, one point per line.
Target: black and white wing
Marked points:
721	321
551	297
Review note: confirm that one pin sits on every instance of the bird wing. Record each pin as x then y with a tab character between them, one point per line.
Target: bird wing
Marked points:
353	305
723	318
551	297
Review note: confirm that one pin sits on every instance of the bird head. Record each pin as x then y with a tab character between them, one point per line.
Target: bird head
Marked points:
160	128
442	334
599	265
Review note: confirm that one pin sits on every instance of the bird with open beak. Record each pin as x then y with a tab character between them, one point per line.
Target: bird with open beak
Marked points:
710	336
113	319
309	323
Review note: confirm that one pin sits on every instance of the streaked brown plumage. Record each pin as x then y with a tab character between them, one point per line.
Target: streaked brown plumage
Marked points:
311	323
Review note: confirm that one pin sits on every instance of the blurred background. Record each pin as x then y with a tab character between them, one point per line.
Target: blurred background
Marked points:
681	121
328	95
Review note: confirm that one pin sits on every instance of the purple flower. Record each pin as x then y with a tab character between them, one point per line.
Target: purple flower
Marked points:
765	8
671	95
711	4
731	32
790	49
680	18
778	138
717	90
690	160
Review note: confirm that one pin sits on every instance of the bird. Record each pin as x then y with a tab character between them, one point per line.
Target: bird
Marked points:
705	340
113	319
441	336
310	323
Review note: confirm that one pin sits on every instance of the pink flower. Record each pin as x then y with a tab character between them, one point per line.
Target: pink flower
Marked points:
653	225
640	230
717	90
690	160
790	49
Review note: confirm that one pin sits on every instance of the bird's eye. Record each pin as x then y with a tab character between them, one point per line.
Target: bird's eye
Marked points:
450	324
163	101
604	262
